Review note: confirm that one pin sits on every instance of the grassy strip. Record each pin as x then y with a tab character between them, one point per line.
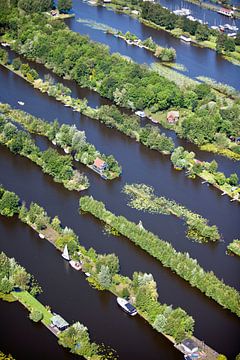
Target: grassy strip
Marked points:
142	198
234	247
180	263
31	303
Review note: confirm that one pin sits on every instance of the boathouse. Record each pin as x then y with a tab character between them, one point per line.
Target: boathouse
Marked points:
59	322
100	165
172	117
189	346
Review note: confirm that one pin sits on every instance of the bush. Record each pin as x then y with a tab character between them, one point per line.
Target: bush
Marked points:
36	315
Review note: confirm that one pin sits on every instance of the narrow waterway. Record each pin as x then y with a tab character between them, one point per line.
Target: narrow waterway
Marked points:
139	165
94	100
198	61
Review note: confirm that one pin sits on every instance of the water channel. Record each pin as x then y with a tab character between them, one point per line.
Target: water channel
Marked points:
198	61
65	290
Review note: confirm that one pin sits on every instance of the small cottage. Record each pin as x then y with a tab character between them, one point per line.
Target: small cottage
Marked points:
172	117
189	346
99	164
59	322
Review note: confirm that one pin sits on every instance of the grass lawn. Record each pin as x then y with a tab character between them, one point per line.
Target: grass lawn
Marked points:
31	303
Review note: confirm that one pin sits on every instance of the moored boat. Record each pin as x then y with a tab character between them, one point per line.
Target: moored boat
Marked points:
21	103
126	306
75	264
65	254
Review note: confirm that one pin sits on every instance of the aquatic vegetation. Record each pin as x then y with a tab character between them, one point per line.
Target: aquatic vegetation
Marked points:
180	263
234	247
142	198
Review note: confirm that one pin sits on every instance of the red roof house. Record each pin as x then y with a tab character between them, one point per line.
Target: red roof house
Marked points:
99	164
172	117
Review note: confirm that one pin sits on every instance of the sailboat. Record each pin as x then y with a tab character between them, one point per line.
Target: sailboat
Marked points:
65	254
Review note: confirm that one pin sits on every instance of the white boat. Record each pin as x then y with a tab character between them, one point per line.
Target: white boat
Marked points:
21	103
182	12
126	306
75	264
41	236
65	254
185	38
140	113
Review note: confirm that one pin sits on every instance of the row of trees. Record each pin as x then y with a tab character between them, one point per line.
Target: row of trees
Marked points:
52	163
14	276
104	270
142	198
38	6
68	137
126	83
178	262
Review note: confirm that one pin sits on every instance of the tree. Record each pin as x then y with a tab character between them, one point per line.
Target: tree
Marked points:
104	277
64	5
233	179
213	166
202	32
16	63
9	204
3	56
36	315
229	44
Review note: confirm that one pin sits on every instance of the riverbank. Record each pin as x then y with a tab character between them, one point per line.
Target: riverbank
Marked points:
71	140
180	263
149	137
59	167
135	12
92	264
234	247
194	99
21	289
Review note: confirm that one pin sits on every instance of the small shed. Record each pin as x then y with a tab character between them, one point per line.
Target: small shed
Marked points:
172	117
99	164
189	346
59	322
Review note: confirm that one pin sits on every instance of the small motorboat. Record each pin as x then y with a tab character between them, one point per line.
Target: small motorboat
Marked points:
126	306
21	103
75	264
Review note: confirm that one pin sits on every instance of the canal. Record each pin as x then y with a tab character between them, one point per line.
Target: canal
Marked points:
197	61
65	290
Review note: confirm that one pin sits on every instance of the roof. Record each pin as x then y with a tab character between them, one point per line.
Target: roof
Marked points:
226	10
190	344
173	114
99	162
58	321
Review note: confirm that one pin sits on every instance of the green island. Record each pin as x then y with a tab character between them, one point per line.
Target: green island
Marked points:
234	247
142	198
148	135
205	115
69	138
163	54
175	324
50	161
20	286
180	263
156	16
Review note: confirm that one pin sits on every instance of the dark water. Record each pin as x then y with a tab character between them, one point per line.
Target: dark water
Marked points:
94	100
198	61
65	290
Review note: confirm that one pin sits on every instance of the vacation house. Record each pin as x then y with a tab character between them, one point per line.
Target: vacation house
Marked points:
100	165
172	117
59	322
189	346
